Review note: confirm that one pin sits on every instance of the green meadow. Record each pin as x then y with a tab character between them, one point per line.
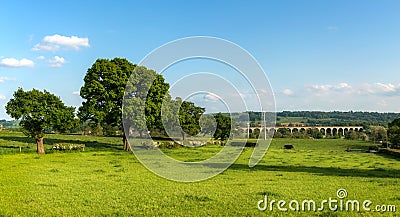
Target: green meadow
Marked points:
103	180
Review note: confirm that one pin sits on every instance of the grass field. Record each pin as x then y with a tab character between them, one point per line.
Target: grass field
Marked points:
105	181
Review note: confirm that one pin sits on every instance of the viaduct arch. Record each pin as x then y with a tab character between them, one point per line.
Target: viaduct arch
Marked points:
325	130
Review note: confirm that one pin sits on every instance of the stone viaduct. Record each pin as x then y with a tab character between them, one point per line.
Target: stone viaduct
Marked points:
325	130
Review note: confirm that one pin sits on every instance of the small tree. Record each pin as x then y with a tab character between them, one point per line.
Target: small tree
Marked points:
285	132
351	135
208	124
277	134
315	133
394	132
378	133
189	116
223	129
255	134
38	111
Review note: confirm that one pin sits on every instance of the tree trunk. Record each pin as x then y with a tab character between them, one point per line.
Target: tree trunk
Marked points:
127	146
183	136
40	146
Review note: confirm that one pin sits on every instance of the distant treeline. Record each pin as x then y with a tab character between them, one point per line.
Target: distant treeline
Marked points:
319	118
309	118
9	124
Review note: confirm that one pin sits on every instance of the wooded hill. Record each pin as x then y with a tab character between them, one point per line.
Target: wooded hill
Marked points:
9	124
319	118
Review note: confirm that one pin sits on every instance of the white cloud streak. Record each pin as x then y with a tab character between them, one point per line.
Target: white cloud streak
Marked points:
56	61
329	87
15	63
287	92
380	89
384	97
55	42
3	79
211	97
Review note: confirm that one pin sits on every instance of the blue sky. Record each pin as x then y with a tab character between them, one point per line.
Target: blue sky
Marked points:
318	55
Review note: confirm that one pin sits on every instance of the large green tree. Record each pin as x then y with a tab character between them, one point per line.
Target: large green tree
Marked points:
109	82
38	111
156	95
103	91
143	99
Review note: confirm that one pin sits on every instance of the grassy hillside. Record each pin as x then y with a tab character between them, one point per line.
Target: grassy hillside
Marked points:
105	181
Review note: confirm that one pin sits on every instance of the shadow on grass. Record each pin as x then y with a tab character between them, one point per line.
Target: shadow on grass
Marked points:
321	171
9	147
388	156
99	146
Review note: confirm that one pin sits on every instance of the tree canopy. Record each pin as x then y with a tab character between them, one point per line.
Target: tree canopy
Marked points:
208	124
378	133
143	99
103	90
189	116
109	82
38	111
394	131
116	90
223	128
158	91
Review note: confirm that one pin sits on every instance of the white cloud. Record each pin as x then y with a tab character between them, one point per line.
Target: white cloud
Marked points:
387	87
359	89
326	88
342	86
45	47
56	61
211	97
2	79
320	87
382	97
55	42
40	57
380	89
72	42
12	62
2	97
287	92
76	93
